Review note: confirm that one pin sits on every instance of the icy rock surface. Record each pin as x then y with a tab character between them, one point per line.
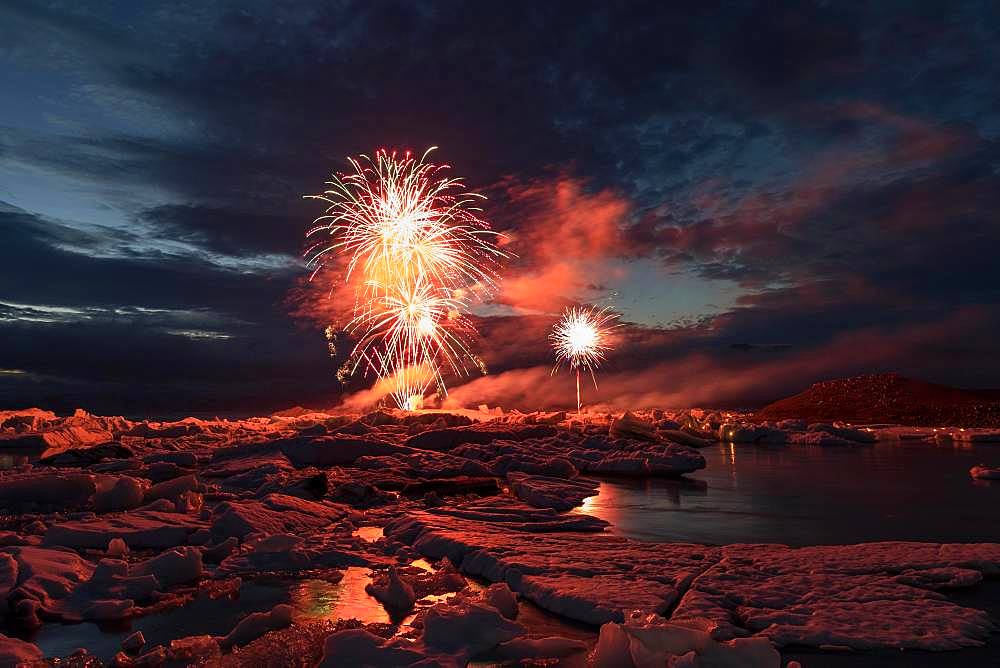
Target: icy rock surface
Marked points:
134	642
86	456
25	421
177	566
468	627
487	432
332	450
867	596
51	441
653	641
636	458
124	518
59	584
275	513
287	553
358	647
450	633
502	598
847	595
115	493
566	454
392	592
255	625
590	577
630	426
60	490
553	647
548	492
193	650
139	529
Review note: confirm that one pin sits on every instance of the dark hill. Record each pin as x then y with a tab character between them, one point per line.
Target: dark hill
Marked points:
889	397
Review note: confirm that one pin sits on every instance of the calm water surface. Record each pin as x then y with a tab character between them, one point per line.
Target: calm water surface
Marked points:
799	495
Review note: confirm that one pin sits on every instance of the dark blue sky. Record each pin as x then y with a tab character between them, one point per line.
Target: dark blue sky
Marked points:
771	193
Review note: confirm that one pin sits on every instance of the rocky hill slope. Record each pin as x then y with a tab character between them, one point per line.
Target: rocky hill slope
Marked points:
888	397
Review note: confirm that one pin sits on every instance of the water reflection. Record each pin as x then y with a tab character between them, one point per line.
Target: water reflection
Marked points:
204	615
10	461
423	564
369	534
314	599
800	495
318	600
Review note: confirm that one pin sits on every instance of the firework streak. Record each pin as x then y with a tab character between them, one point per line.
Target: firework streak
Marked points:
417	255
581	339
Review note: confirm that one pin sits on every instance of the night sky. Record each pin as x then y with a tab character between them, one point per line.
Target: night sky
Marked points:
770	193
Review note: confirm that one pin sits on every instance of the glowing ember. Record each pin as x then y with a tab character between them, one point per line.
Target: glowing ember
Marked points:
417	254
581	338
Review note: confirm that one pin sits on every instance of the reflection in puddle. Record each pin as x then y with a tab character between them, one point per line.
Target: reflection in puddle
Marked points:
204	615
312	600
9	461
369	534
319	600
423	564
587	507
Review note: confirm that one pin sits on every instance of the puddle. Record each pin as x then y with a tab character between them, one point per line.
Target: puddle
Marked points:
423	564
319	600
369	534
201	616
10	461
312	600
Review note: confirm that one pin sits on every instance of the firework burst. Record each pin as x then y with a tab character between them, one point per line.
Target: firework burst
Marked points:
418	254
581	339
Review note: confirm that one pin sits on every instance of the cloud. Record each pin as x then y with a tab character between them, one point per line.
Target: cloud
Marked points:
103	332
848	191
225	230
740	379
850	212
133	278
564	239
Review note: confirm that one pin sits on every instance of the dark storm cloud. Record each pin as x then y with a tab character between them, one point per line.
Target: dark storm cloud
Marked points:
121	333
837	162
227	231
913	233
39	269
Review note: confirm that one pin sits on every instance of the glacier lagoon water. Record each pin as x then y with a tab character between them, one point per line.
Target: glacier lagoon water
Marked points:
808	495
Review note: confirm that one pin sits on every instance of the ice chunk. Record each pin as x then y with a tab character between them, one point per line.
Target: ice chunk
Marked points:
255	625
392	592
653	641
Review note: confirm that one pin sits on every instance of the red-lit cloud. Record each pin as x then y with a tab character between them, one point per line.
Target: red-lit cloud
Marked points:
725	377
564	238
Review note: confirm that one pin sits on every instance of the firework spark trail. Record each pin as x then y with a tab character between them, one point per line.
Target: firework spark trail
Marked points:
419	254
581	338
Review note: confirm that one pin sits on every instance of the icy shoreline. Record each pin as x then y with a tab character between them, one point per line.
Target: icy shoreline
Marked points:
113	520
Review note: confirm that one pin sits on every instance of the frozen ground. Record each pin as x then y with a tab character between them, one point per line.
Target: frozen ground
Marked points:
260	542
